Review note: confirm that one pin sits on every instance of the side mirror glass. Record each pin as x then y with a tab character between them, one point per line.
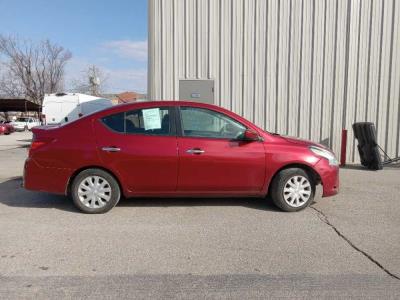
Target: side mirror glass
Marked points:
250	135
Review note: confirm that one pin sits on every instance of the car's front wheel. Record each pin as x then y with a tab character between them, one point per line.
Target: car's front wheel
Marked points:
292	189
95	191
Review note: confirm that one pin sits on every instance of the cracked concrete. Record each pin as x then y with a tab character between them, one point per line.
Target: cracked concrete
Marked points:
367	213
325	219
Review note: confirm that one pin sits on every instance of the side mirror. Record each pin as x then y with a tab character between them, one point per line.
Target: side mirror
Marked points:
250	135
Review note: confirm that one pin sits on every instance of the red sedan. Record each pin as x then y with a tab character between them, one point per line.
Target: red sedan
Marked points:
174	149
6	128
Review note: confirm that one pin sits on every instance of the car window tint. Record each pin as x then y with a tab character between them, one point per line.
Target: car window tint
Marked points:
152	121
115	122
200	122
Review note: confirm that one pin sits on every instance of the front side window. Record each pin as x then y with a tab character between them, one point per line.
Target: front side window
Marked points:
200	122
148	121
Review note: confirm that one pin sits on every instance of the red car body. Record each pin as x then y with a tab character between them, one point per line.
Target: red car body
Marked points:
161	166
6	128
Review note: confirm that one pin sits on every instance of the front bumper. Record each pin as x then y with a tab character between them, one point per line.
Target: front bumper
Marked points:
329	177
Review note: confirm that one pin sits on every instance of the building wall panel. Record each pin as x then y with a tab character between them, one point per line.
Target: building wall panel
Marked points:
307	68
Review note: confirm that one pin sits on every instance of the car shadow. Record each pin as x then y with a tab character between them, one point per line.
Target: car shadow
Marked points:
254	203
14	195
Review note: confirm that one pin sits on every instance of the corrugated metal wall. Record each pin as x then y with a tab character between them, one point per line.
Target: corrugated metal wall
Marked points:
306	68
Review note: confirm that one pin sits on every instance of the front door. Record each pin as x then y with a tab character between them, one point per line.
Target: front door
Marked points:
211	160
141	147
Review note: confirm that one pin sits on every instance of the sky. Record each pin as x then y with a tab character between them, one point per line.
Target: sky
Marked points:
109	34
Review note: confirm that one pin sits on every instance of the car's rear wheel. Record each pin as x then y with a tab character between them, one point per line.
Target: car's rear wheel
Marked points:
292	189
95	191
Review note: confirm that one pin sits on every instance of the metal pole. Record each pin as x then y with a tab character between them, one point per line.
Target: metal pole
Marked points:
343	148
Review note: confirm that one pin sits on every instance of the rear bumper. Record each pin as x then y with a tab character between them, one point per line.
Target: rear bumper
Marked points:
51	180
329	177
20	126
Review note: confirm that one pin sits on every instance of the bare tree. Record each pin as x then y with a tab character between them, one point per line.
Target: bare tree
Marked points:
92	81
10	86
32	70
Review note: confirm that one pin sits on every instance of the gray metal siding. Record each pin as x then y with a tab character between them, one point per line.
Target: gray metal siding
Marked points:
306	68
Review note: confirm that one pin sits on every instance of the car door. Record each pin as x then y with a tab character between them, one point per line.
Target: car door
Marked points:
141	147
212	159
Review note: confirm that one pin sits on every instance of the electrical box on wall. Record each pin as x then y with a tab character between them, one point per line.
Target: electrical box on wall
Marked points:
197	90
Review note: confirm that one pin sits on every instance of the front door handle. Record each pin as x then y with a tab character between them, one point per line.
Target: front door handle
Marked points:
111	149
195	151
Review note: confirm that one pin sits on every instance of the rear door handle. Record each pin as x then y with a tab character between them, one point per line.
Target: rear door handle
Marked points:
195	151
111	149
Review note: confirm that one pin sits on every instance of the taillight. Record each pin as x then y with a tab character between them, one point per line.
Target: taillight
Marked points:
36	144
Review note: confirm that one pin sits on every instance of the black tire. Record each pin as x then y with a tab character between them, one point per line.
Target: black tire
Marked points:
278	184
115	193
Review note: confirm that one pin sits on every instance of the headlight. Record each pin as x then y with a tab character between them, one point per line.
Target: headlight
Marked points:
325	154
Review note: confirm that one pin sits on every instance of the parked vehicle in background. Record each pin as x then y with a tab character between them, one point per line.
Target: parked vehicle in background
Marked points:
6	127
175	149
62	108
25	123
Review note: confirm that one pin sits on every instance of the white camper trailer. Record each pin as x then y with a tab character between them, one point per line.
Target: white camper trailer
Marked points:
63	108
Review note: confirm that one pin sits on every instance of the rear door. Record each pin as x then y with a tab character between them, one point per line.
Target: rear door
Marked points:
141	147
212	160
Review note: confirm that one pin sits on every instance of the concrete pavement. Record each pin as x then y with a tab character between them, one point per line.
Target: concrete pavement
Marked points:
345	246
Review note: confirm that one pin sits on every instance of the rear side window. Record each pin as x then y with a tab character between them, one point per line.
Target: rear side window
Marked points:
152	121
115	122
147	121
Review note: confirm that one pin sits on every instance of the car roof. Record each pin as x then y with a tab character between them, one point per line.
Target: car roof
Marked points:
166	102
119	108
143	104
148	104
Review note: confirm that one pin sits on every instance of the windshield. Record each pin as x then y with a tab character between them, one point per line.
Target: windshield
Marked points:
22	120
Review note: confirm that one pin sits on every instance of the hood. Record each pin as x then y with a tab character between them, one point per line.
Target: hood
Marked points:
302	142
